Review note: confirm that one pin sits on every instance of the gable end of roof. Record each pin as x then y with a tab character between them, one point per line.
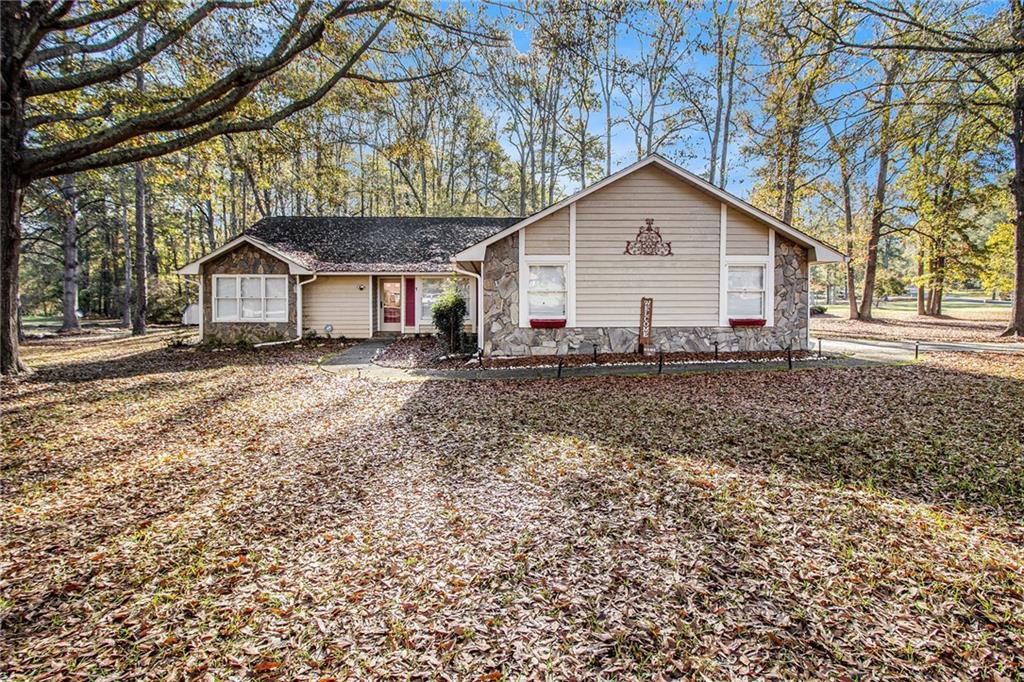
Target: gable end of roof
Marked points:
819	251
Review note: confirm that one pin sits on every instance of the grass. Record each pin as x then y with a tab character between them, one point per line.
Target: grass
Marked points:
965	310
962	321
179	512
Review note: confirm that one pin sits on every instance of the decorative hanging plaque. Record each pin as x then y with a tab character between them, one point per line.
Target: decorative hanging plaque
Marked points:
648	242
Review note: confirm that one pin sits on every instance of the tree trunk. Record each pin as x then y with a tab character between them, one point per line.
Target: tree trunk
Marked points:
151	256
792	163
719	77
141	291
12	142
851	279
728	94
851	276
878	205
126	310
1016	326
211	238
69	243
11	196
920	284
141	301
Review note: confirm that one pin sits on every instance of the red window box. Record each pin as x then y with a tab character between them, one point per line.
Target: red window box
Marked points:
747	322
548	324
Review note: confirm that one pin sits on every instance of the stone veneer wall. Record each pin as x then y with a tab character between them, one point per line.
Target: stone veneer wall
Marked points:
246	260
503	336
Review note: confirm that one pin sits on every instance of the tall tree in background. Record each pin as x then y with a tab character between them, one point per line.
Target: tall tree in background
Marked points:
69	244
801	64
883	147
653	111
140	292
609	68
66	69
842	146
725	27
986	58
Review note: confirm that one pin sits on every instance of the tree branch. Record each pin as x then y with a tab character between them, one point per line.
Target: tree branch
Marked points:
73	48
217	99
108	72
53	22
125	156
78	117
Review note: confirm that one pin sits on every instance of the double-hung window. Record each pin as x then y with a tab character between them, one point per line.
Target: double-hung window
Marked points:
746	292
250	298
547	294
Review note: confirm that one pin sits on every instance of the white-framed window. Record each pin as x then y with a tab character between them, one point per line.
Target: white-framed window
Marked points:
547	291
430	291
250	298
746	291
431	288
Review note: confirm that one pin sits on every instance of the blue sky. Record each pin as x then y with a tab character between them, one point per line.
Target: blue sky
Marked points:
623	147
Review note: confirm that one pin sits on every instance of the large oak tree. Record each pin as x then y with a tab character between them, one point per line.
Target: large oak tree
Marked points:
69	102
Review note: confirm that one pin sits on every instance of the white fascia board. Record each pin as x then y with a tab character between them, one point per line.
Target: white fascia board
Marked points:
294	267
395	273
819	252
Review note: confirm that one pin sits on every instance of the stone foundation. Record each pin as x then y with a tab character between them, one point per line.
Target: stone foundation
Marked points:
245	260
504	336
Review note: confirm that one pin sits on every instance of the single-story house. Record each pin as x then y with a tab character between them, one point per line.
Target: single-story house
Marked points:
559	281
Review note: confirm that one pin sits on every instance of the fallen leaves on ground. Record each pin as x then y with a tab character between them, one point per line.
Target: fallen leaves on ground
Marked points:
181	513
900	326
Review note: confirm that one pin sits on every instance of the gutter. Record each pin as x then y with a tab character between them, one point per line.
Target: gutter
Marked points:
479	302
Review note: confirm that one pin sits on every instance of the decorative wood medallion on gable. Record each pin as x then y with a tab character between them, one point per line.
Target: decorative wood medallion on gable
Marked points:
648	242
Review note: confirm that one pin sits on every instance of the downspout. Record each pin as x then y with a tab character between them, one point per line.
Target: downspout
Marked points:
298	314
479	303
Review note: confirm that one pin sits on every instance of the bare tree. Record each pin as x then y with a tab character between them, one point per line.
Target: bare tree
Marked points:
654	116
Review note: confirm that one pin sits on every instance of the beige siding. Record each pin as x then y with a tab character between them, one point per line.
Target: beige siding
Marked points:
337	300
549	236
745	236
609	284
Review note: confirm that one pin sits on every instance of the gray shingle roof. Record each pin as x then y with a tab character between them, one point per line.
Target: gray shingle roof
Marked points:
375	244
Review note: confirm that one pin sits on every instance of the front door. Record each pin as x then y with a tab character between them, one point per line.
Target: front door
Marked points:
390	305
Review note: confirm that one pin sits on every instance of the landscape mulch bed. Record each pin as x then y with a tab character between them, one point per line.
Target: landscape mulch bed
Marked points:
180	513
412	353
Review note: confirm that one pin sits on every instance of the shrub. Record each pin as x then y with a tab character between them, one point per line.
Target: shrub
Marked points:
449	312
818	310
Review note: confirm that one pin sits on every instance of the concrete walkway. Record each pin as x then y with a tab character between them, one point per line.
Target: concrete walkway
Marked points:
357	359
902	351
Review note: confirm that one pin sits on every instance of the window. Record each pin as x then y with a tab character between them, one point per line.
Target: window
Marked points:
546	294
250	298
431	290
746	292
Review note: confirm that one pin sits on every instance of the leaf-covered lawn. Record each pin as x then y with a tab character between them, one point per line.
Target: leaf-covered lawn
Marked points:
179	513
899	325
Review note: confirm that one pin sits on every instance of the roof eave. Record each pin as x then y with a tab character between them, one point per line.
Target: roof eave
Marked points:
294	266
